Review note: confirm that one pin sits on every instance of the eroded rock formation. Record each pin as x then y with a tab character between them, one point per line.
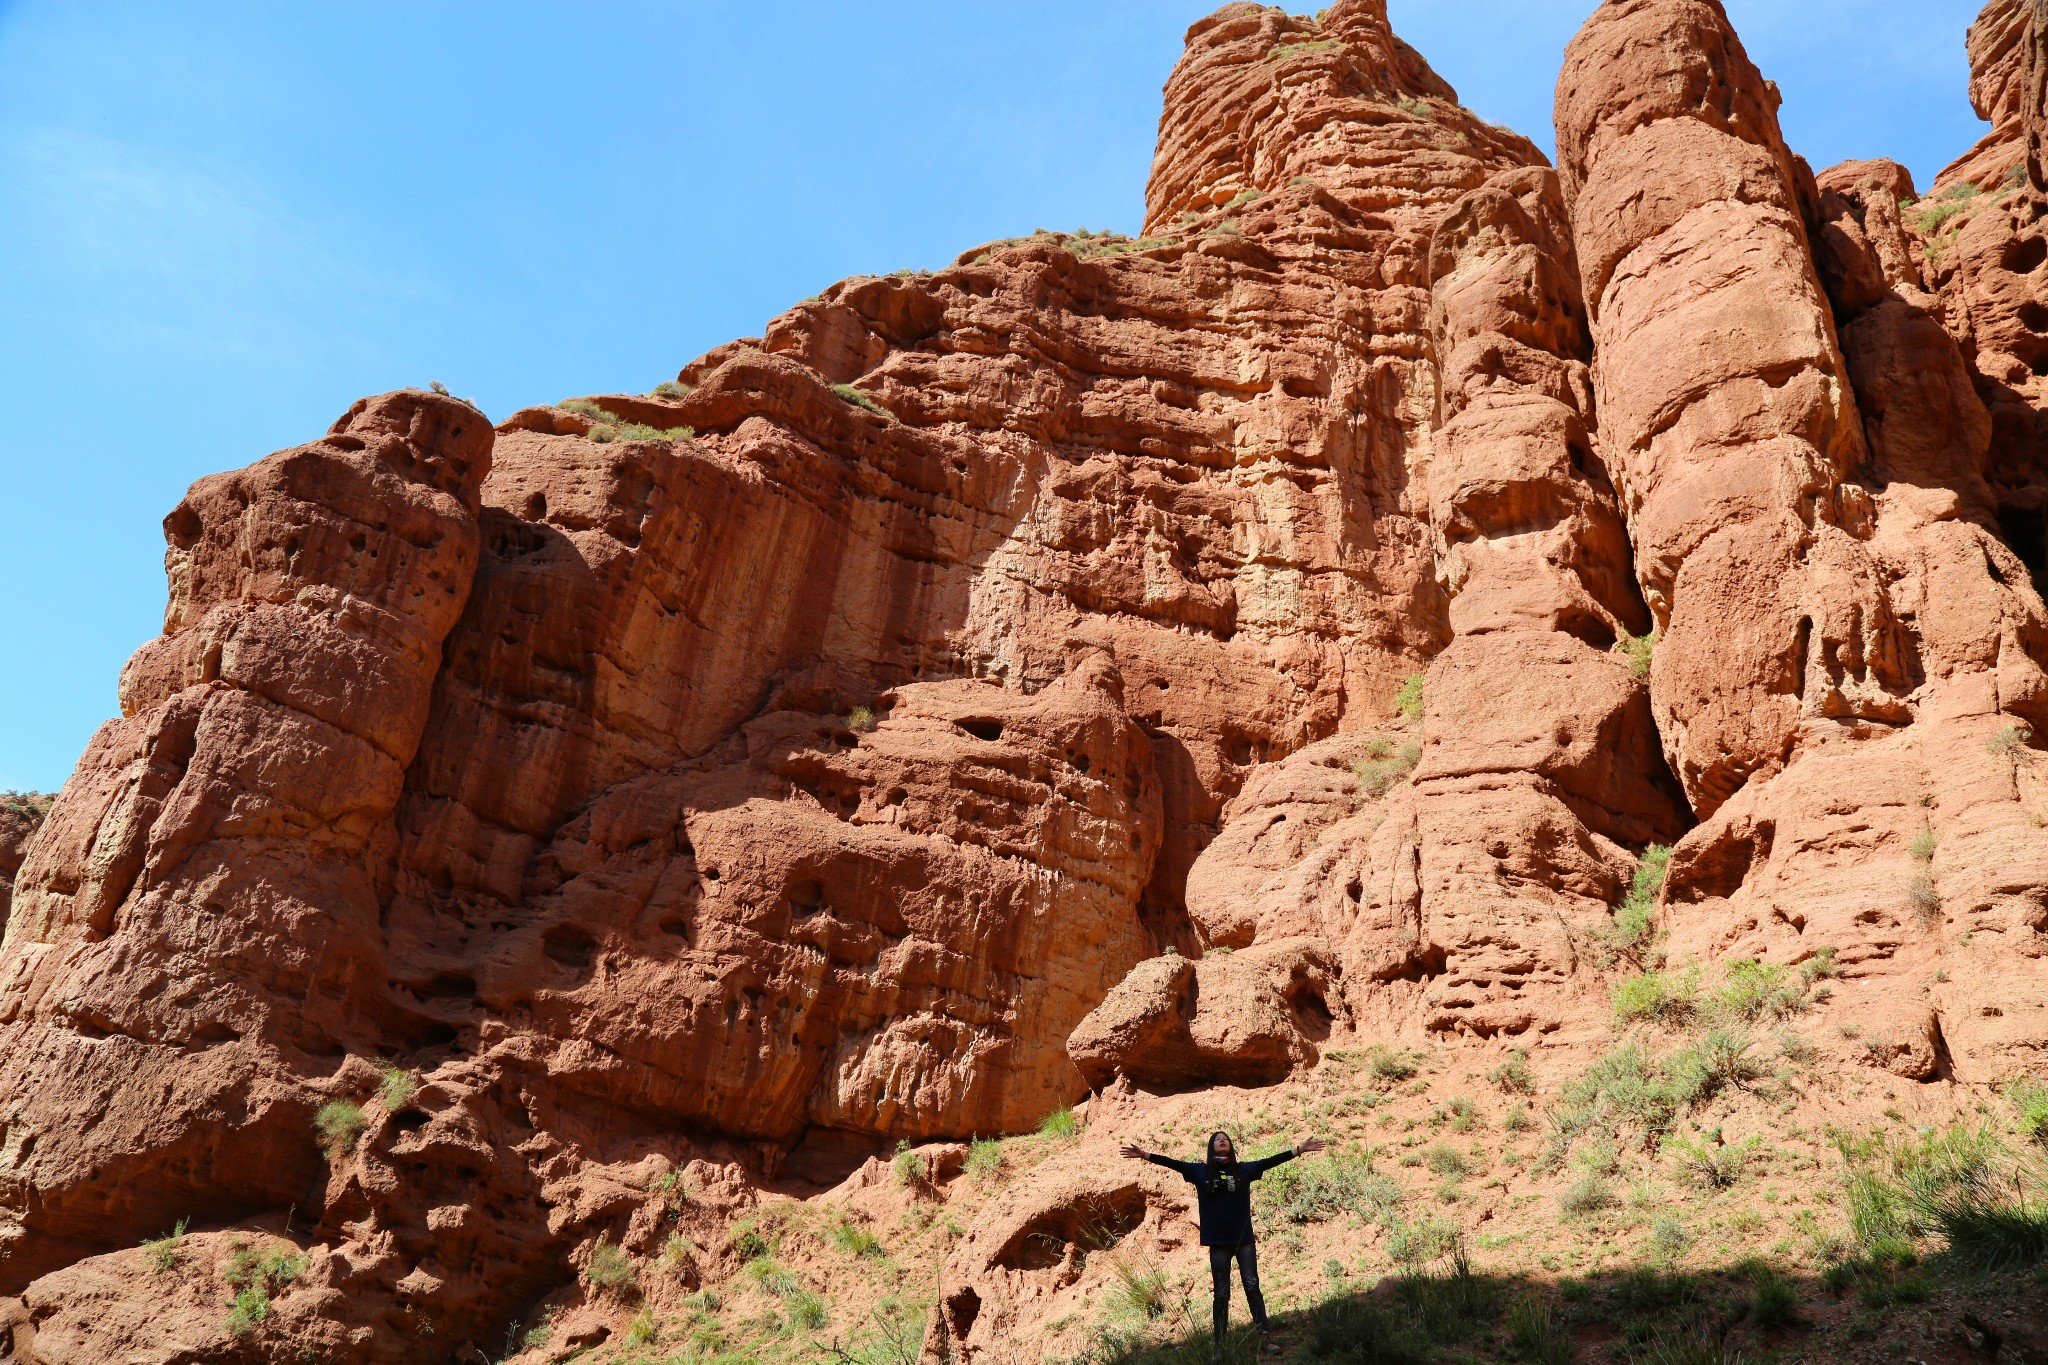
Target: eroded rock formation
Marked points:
986	688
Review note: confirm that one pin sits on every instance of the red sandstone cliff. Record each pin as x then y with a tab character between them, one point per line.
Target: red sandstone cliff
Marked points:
893	756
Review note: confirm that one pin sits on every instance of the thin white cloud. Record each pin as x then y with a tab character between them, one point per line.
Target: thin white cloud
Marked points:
176	251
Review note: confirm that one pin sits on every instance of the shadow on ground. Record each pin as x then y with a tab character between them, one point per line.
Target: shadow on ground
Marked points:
1939	1310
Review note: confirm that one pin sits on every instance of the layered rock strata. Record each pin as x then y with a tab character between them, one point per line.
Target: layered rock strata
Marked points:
1100	666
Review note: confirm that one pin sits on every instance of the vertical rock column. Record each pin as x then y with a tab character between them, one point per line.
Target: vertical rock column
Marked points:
197	930
1724	404
1540	754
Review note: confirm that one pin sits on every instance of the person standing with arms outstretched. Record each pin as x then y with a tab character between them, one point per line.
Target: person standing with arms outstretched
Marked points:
1223	1198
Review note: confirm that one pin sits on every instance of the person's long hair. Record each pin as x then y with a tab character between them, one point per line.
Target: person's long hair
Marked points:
1217	1161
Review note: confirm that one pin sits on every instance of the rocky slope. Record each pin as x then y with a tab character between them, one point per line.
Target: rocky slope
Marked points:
1141	668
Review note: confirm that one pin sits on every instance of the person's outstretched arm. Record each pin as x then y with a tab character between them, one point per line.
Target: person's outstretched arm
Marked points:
1186	1170
1305	1147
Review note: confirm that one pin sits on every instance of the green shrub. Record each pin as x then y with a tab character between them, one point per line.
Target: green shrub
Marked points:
1719	1061
1420	1242
340	1123
1708	1162
855	1240
1637	650
1060	1124
1513	1075
848	393
669	388
1138	1291
2030	1098
748	1243
985	1157
163	1251
1820	967
1934	214
1385	767
1669	1239
1446	1162
1922	846
1536	1333
1756	990
1773	1299
1518	1119
610	1268
1658	997
907	1166
250	1308
1344	1182
1389	1066
1632	930
1590	1193
2010	740
396	1087
861	719
1408	701
806	1310
772	1276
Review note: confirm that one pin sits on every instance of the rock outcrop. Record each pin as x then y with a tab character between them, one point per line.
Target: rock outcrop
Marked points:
1099	667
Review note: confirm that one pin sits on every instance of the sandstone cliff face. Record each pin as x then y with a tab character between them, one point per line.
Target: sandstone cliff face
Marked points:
1098	666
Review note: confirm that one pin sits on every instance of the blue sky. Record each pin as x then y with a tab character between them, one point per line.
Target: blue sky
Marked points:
224	222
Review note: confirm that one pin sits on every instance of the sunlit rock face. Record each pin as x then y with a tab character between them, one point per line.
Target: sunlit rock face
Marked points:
1102	666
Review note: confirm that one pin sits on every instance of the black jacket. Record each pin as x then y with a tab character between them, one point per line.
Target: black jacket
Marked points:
1223	1195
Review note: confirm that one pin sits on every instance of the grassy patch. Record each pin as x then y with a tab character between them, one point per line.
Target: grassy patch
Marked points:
848	393
1636	651
1409	700
1670	998
611	427
611	1268
162	1252
1286	50
1060	1124
861	719
1632	931
1934	214
1385	766
29	805
855	1240
985	1159
2008	741
395	1087
340	1124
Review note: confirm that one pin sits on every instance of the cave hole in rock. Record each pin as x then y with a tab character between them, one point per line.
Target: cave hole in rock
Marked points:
2024	255
2033	316
2025	531
569	945
963	1306
807	896
674	927
438	1035
1093	1222
448	986
990	730
410	1120
1311	1009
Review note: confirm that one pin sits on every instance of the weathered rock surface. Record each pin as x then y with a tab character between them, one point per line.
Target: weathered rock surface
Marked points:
20	818
987	687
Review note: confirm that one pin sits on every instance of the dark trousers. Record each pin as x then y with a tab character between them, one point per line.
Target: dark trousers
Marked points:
1247	1257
